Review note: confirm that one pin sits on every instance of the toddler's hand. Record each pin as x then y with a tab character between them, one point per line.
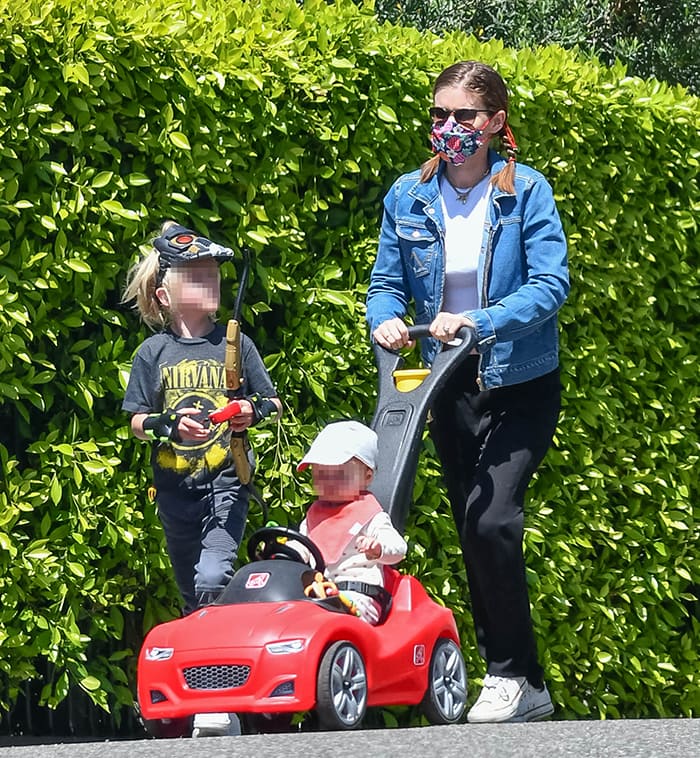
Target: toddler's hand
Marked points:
370	547
367	608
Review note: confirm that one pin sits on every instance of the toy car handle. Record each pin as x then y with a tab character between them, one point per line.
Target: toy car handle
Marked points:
445	362
420	331
400	416
227	412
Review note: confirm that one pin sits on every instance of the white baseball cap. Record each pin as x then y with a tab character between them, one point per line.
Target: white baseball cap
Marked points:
340	441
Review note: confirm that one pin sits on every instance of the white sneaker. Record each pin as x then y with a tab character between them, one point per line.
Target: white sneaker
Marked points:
510	699
215	725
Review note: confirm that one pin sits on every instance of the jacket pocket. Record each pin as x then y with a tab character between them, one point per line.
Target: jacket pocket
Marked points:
418	247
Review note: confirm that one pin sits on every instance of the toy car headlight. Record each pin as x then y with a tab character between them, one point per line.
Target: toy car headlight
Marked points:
285	646
159	653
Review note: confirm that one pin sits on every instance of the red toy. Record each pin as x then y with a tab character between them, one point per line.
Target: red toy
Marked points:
227	412
265	651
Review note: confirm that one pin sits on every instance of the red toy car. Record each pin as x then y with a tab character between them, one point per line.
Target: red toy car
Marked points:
266	651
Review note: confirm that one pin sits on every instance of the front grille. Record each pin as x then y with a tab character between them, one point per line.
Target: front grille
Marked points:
222	677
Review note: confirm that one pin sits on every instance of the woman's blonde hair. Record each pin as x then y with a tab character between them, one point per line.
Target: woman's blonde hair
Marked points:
477	77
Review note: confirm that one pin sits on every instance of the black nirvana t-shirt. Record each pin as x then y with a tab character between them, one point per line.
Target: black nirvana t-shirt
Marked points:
171	372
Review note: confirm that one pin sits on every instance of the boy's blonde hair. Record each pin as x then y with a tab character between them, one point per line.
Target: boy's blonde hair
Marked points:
141	285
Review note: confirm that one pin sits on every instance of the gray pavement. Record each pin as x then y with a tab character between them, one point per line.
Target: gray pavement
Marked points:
666	738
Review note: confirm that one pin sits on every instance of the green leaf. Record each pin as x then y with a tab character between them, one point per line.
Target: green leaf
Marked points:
77	569
256	236
137	180
90	683
55	491
115	207
387	114
39	554
179	140
94	467
82	267
76	72
102	179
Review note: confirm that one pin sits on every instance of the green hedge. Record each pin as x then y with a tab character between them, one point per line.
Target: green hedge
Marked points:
280	127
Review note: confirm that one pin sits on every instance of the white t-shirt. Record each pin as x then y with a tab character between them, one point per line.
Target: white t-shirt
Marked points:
464	228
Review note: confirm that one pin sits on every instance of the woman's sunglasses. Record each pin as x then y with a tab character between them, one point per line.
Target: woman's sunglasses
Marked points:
462	115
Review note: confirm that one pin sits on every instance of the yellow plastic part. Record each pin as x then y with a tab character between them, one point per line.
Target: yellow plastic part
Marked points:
408	379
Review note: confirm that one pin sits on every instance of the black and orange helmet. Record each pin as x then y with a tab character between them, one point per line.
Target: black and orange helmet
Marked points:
177	245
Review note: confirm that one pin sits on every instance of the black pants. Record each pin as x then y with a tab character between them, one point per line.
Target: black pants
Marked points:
490	444
203	530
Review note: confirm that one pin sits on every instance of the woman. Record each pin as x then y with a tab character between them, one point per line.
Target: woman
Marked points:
473	239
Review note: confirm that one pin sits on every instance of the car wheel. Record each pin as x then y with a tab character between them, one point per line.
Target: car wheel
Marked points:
341	692
446	695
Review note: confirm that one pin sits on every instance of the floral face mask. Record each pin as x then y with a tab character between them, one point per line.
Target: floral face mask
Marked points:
455	142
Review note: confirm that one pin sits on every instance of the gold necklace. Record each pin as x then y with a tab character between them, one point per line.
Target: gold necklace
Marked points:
463	194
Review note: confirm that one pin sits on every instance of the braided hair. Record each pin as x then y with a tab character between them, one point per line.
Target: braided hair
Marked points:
488	84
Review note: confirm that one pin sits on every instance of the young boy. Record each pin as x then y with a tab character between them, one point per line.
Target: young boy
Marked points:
177	378
347	523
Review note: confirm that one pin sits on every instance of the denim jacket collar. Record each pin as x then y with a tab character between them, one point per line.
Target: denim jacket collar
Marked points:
428	193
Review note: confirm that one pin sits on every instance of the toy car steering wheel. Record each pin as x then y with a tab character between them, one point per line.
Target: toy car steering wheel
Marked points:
272	547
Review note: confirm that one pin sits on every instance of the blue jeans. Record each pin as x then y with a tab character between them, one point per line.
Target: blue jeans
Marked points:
203	531
490	444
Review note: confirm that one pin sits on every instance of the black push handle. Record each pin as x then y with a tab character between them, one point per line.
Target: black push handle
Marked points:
242	284
400	417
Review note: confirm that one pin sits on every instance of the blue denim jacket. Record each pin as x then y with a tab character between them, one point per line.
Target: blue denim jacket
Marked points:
522	274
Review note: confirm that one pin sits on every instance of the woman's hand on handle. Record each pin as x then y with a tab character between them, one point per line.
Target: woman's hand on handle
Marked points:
446	325
392	334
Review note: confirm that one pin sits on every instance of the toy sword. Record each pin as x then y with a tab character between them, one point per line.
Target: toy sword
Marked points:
234	380
232	369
